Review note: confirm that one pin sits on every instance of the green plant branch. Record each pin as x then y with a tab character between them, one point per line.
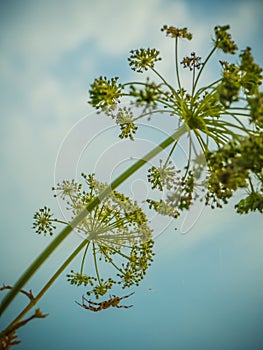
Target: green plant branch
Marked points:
203	66
176	63
83	258
95	263
170	153
189	157
33	301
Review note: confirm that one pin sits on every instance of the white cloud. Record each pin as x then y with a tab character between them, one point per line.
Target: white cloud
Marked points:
45	31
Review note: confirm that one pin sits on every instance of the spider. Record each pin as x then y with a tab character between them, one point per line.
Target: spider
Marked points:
114	302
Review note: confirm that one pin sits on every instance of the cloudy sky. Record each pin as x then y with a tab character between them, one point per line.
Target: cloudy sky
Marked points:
204	290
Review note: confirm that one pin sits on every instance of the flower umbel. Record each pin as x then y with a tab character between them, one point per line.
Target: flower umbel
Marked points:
105	93
67	189
215	115
191	62
234	166
78	279
176	32
142	59
43	221
253	202
124	118
224	41
179	198
256	109
146	97
114	231
163	176
251	73
230	85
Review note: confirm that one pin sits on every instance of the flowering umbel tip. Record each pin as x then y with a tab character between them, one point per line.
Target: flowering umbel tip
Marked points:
224	40
43	221
105	93
174	32
142	59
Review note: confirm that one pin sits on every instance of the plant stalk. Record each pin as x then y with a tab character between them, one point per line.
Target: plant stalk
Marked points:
13	324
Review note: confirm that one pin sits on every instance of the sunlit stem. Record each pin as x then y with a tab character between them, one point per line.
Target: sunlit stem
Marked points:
176	63
189	156
93	204
84	257
170	154
203	66
193	81
95	263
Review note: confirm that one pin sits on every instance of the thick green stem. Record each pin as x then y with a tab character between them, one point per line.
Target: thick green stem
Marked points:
13	324
96	201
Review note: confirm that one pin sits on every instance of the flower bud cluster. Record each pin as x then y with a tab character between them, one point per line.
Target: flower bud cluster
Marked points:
105	93
174	32
235	166
43	221
224	41
141	60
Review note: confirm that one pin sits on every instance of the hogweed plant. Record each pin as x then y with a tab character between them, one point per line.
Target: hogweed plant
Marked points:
223	118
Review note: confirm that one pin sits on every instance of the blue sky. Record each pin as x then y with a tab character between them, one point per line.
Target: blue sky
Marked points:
204	290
